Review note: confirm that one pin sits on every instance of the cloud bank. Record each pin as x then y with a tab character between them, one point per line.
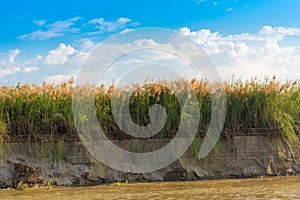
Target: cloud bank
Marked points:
247	55
267	52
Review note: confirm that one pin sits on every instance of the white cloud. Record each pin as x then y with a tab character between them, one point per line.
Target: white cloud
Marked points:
229	9
8	71
199	1
60	55
56	79
78	58
58	28
8	64
123	20
87	44
247	55
66	56
30	69
278	31
12	55
126	30
110	26
62	27
39	22
34	61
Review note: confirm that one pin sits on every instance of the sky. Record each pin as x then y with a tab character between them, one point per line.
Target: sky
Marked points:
49	40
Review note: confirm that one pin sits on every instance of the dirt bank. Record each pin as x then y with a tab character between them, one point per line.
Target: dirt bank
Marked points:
66	162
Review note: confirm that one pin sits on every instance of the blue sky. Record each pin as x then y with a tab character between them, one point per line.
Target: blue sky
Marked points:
49	39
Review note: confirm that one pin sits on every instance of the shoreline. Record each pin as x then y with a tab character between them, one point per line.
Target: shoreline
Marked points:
121	184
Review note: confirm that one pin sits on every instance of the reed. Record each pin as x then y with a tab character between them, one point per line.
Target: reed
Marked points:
33	110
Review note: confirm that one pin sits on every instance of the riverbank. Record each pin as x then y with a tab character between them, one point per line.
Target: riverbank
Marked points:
63	161
39	128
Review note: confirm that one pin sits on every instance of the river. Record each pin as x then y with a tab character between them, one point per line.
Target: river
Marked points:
259	188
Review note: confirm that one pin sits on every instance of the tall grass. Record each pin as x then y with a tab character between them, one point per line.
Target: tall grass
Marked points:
34	110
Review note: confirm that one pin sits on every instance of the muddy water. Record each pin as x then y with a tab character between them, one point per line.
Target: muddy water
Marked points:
260	188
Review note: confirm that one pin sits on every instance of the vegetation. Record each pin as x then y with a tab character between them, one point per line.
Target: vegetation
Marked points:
119	183
22	185
33	110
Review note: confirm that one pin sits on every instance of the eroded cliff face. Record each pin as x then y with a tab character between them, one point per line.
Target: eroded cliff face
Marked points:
68	163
